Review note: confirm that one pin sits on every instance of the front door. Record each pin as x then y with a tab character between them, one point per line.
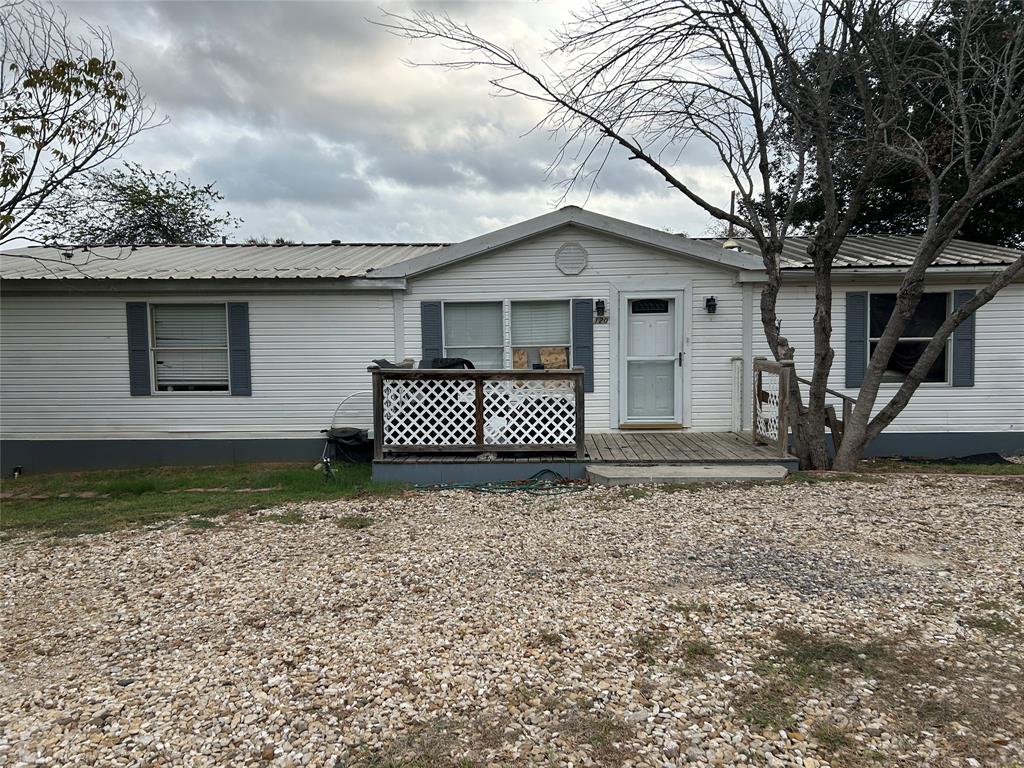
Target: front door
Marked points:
652	363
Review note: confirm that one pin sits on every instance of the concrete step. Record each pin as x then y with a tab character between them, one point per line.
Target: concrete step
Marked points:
681	474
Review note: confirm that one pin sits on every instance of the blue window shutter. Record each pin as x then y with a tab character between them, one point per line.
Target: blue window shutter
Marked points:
583	340
138	348
963	344
240	365
856	337
431	332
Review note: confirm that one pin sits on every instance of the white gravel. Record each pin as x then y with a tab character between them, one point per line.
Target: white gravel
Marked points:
615	627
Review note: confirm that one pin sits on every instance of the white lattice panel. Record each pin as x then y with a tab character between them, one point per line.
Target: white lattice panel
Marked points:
539	412
429	412
766	420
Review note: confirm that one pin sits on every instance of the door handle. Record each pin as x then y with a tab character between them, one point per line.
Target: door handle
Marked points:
679	360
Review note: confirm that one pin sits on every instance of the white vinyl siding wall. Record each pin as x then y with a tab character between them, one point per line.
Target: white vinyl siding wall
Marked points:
64	363
994	404
526	271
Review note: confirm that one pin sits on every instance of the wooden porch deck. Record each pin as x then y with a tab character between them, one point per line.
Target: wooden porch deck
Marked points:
656	447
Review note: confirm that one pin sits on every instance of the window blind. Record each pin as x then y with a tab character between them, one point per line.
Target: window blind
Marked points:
473	324
189	325
540	323
190	346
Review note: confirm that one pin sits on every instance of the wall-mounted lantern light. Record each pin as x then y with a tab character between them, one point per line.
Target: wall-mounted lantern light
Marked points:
599	307
711	305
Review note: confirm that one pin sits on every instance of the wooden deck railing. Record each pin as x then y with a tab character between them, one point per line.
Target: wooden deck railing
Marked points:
835	425
771	404
456	411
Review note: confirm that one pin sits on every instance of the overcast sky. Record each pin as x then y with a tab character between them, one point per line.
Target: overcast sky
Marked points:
314	127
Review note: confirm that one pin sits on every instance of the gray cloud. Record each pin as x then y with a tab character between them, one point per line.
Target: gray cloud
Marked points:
286	168
303	113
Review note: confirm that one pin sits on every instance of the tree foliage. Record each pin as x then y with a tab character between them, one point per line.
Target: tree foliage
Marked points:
66	106
131	205
897	200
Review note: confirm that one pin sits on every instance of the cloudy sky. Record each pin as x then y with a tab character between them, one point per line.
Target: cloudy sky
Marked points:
314	126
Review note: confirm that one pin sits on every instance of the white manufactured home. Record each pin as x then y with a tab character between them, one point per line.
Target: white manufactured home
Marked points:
206	353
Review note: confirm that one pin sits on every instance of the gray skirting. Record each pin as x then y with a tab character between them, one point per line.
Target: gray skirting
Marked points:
60	455
474	471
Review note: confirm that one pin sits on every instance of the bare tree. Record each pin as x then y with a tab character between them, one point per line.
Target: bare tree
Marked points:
66	106
773	89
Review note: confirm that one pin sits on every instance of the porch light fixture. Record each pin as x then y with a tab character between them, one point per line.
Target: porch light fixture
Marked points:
599	307
711	305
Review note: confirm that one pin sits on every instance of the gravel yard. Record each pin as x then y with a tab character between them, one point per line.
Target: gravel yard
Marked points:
840	623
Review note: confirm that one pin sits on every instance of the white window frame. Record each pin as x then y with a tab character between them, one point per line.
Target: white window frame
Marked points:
947	380
506	326
153	350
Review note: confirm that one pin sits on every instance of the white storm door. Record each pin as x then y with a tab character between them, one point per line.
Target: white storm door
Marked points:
652	365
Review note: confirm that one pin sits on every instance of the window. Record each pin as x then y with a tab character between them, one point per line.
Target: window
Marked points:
190	347
541	336
474	330
930	314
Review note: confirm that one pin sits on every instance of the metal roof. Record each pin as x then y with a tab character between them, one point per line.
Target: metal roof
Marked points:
197	262
869	251
354	260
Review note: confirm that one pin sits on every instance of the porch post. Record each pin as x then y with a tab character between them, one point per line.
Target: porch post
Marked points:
378	412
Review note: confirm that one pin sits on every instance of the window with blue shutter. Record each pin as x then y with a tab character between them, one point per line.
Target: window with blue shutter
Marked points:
583	340
856	337
962	367
138	348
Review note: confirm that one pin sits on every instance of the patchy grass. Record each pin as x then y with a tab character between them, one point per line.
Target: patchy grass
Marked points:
604	734
830	736
992	624
696	650
69	504
941	467
549	638
688	608
425	746
355	522
646	645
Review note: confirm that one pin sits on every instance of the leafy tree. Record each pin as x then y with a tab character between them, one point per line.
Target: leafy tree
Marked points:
66	106
131	205
897	201
264	240
785	94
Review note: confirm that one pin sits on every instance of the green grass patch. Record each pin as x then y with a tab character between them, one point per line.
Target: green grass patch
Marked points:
830	736
695	650
69	504
647	645
941	467
355	522
993	624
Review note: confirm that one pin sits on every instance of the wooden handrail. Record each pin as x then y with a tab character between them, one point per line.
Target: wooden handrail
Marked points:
840	395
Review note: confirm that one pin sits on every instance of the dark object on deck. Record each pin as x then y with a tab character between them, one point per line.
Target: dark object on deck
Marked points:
382	363
449	362
349	444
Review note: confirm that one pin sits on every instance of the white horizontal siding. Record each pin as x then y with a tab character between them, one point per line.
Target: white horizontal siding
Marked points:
64	368
527	271
994	404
